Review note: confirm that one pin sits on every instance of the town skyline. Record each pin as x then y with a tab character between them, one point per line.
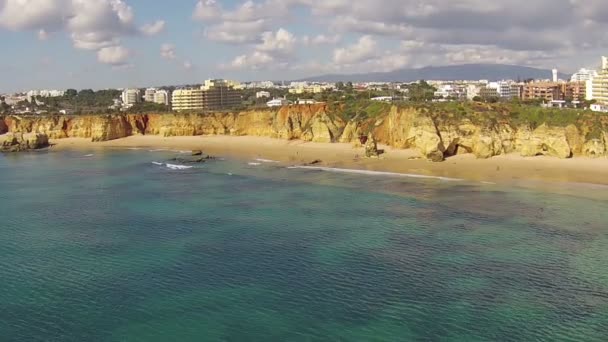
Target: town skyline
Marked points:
59	44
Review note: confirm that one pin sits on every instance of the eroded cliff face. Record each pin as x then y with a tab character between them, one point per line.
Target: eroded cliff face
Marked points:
434	136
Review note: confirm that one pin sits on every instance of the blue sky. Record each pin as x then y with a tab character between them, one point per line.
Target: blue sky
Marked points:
117	43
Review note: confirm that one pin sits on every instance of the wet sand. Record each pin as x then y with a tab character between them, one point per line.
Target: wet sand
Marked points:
500	169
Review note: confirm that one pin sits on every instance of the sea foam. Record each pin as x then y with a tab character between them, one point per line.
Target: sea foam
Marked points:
266	160
178	167
374	173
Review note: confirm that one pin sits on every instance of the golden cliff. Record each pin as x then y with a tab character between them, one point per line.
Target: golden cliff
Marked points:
435	135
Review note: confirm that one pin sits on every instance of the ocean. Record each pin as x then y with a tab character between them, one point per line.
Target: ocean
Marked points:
122	245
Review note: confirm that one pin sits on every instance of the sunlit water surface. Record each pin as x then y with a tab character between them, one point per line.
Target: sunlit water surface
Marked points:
111	247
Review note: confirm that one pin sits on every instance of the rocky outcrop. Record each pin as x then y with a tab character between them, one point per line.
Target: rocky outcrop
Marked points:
435	135
547	141
19	142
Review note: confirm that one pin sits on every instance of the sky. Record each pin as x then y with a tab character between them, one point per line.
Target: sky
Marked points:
58	44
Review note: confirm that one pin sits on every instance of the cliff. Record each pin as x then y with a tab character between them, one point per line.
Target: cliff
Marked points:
437	132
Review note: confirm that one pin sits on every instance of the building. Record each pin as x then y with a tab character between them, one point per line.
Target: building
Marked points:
221	94
599	84
599	108
149	94
214	83
213	95
130	97
554	92
187	99
488	93
473	91
306	101
555	75
583	75
503	89
574	91
161	97
262	94
277	102
44	93
382	99
263	84
447	91
546	91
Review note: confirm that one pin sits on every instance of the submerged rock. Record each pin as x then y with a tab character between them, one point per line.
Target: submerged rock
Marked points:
197	159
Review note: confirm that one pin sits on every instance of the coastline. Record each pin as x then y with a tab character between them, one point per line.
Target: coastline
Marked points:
500	169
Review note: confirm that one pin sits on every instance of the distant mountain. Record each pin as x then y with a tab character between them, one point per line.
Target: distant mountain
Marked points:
492	72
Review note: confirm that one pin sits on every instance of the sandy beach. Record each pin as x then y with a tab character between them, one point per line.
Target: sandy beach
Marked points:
503	169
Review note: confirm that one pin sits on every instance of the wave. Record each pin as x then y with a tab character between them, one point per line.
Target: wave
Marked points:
178	167
254	164
157	163
374	173
266	160
89	155
160	150
134	148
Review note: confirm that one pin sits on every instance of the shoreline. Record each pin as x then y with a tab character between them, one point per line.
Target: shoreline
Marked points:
500	169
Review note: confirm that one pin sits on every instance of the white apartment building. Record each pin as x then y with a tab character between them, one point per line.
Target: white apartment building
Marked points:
277	102
306	101
445	91
599	85
583	75
161	97
473	90
262	94
187	99
149	94
503	89
130	97
262	84
44	93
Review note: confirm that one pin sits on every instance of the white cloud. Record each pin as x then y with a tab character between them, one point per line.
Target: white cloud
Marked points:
207	10
187	65
91	24
243	24
167	51
321	39
276	50
499	31
114	55
364	49
33	14
154	28
43	35
232	32
256	60
281	42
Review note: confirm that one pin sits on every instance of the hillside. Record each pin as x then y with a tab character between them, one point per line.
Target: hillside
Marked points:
449	73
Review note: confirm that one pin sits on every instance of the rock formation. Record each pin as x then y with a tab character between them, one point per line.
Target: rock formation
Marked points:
435	135
19	142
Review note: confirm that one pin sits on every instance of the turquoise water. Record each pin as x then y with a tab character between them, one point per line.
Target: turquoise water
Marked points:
111	247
